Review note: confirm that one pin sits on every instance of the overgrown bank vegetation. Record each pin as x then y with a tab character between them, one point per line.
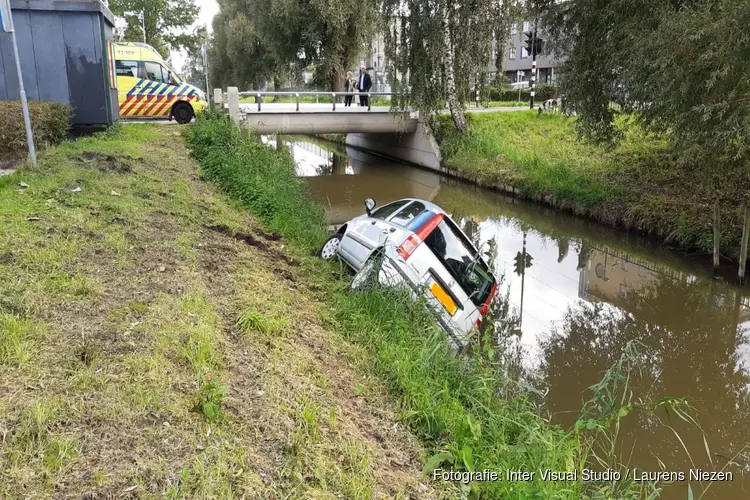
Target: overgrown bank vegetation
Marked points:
637	183
467	415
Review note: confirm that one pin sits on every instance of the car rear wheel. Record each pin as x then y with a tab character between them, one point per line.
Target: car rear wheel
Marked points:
330	248
182	113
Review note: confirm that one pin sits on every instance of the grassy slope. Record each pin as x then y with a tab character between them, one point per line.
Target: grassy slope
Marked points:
120	302
636	184
468	415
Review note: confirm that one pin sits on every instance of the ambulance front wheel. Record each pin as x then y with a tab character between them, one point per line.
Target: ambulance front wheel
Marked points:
182	113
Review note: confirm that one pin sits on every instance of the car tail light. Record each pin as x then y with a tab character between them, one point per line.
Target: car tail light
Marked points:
408	246
413	241
486	305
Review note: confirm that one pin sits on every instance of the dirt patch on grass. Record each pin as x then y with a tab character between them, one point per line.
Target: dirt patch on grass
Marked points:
253	241
127	307
121	164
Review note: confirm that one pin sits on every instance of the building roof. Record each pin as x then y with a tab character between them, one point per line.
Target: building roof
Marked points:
65	6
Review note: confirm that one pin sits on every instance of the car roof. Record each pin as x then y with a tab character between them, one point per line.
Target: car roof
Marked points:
428	205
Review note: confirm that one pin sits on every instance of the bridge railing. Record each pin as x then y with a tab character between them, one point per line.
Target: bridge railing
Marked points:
258	94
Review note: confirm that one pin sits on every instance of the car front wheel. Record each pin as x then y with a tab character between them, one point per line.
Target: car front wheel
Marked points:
330	248
183	113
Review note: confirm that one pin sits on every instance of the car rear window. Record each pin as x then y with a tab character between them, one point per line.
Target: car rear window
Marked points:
408	213
461	261
386	210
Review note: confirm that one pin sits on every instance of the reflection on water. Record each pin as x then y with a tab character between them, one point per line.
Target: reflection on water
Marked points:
585	291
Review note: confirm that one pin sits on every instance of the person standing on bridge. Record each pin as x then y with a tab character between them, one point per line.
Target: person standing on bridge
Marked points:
350	85
364	85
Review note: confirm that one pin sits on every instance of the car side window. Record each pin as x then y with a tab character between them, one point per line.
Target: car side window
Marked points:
408	213
126	68
387	210
153	72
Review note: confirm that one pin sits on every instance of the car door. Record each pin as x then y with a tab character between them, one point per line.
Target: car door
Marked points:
157	86
364	234
128	83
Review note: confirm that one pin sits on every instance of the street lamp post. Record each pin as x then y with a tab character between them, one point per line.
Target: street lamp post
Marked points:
205	65
6	22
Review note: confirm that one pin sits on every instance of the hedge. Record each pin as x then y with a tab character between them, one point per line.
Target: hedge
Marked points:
50	122
543	92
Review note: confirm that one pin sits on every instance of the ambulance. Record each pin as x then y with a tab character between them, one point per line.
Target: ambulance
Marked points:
148	88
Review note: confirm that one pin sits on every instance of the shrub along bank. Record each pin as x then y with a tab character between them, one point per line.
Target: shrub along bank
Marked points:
454	405
50	124
636	183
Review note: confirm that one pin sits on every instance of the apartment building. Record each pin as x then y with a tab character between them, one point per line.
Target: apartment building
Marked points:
516	64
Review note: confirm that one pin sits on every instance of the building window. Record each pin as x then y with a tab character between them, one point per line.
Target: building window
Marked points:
526	26
524	52
512	53
513	29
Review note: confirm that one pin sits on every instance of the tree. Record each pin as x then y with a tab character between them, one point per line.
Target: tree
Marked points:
238	55
331	34
194	71
682	66
435	47
162	24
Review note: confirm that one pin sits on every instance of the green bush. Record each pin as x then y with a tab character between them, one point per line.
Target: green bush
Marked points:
50	122
543	92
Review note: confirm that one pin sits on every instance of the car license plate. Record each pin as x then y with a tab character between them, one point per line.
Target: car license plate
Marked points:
442	296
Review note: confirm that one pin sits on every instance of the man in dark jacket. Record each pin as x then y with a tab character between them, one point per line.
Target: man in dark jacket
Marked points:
364	83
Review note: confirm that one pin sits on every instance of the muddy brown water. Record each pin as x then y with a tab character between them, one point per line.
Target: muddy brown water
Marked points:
589	290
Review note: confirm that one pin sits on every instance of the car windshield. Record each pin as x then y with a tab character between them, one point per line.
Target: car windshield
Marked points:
462	262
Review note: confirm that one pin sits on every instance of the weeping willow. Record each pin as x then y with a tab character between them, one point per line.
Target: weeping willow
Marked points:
436	48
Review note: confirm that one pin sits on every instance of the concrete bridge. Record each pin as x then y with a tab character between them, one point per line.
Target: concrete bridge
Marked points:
399	135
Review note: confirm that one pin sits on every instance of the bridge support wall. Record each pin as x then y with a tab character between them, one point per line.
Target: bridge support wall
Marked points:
418	147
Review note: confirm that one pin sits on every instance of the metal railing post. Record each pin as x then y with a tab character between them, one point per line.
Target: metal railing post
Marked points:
369	103
257	98
297	96
333	98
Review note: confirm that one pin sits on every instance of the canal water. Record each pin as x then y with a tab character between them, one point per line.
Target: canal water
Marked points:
588	291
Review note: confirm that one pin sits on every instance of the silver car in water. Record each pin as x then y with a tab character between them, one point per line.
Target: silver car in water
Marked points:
425	248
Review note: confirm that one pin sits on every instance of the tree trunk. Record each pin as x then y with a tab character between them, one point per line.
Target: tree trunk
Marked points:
451	94
276	87
337	79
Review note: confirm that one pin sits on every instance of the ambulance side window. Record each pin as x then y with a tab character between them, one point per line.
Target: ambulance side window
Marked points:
127	68
154	73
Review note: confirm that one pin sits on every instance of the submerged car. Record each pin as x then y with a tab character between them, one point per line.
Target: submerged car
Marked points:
421	245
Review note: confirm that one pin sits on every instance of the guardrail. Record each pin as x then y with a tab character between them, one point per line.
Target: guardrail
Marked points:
296	95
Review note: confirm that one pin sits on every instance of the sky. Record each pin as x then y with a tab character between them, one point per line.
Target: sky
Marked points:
208	9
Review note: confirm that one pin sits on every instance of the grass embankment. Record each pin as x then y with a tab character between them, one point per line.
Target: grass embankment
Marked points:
636	184
157	341
466	414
